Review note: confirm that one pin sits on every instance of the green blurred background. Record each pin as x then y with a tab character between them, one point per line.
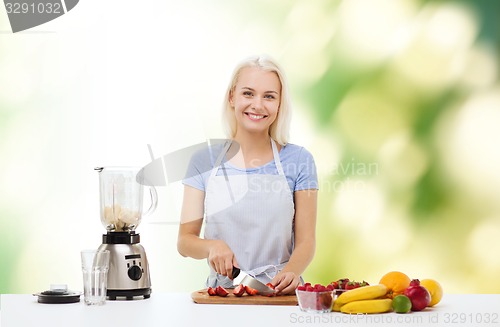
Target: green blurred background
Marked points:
398	100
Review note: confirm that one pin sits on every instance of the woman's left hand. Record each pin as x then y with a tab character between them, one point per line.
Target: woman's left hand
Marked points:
285	282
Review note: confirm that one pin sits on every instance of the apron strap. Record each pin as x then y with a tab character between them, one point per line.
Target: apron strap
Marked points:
277	160
220	157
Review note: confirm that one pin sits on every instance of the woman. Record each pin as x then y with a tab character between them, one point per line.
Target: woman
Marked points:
259	195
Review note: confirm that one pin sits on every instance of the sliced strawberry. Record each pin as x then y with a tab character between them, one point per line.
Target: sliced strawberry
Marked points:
221	291
301	288
211	291
251	291
239	290
272	287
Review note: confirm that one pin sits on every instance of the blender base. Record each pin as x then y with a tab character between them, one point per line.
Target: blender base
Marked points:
128	294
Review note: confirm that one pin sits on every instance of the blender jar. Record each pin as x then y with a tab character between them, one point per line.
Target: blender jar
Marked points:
121	192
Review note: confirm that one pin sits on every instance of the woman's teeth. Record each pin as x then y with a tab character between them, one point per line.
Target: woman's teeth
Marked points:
256	116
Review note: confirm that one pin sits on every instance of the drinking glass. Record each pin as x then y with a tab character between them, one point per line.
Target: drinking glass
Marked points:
95	266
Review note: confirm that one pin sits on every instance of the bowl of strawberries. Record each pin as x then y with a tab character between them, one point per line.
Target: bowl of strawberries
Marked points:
319	298
315	298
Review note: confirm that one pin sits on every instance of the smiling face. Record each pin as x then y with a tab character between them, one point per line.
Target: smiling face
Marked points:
256	100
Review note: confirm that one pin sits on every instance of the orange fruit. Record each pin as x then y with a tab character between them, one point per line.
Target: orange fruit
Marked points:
434	289
396	283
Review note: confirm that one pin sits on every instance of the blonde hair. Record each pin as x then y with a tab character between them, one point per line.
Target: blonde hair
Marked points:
279	129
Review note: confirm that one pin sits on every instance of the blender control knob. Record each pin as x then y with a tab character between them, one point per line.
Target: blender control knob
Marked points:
135	272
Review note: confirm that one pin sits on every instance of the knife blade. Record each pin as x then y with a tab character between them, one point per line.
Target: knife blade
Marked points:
262	288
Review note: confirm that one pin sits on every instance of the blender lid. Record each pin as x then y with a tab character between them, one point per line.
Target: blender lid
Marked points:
58	295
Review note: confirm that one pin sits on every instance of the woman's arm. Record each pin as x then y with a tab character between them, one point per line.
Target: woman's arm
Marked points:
189	243
304	244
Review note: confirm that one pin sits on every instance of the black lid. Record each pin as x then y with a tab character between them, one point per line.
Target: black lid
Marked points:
58	296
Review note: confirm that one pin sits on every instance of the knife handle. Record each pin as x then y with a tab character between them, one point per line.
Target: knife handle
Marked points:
236	272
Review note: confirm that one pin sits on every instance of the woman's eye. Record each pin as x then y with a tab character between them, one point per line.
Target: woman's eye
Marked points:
247	93
270	96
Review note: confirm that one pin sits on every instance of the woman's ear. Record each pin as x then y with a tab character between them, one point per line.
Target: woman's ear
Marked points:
231	100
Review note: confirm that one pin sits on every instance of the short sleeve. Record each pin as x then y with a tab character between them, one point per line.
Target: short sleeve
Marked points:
198	169
307	177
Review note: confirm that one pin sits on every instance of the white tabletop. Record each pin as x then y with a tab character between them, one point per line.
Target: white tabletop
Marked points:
177	309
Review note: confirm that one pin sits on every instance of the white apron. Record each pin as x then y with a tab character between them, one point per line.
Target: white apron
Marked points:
253	214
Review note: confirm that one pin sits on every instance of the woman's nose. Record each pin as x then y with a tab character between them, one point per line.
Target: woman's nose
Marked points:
257	103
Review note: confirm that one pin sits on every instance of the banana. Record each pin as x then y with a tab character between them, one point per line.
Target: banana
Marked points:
362	293
336	306
367	306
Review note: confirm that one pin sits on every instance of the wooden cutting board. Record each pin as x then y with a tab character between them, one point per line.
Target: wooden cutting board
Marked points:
202	297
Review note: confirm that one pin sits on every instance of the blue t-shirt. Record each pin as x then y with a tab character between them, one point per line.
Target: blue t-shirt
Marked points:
298	166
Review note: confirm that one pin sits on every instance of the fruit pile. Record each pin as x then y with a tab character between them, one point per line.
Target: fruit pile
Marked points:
394	292
411	294
317	298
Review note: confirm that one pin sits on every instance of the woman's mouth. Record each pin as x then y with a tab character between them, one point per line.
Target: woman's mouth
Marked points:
255	117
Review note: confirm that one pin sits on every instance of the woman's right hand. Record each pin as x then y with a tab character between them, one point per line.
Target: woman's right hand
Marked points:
221	258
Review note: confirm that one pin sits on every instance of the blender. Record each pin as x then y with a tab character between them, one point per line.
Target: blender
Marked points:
121	196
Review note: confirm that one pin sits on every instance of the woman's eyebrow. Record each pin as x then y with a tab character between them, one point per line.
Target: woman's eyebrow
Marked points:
250	89
275	92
